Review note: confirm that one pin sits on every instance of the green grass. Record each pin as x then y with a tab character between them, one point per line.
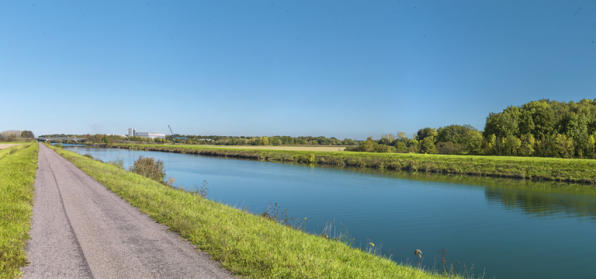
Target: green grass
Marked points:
17	175
248	245
534	168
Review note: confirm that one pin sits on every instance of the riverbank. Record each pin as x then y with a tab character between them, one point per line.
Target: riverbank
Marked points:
531	168
17	175
248	245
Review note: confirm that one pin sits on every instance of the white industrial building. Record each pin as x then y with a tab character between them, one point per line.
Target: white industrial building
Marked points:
131	132
150	135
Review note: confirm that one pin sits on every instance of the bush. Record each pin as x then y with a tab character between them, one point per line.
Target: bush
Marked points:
148	167
449	148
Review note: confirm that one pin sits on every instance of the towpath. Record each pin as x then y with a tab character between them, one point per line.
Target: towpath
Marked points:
81	229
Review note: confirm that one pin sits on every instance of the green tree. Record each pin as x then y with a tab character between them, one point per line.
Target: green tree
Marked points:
510	146
401	147
527	145
402	135
472	143
426	133
264	140
27	134
427	146
368	145
489	145
563	146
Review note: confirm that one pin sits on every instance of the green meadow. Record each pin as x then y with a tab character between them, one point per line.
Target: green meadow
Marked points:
17	175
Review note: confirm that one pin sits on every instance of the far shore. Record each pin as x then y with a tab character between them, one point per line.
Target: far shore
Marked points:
283	147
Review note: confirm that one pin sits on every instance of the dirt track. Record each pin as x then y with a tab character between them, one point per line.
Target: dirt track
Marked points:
6	145
82	230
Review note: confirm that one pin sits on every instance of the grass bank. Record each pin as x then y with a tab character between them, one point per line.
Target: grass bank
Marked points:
533	168
17	175
248	245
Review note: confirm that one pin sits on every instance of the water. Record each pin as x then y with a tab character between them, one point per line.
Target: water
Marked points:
503	228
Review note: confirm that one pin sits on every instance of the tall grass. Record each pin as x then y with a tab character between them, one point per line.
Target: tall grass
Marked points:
532	168
17	175
248	245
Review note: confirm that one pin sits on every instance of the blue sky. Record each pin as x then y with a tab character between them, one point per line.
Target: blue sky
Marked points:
332	68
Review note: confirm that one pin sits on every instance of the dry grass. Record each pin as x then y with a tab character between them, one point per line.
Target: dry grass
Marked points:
285	147
6	145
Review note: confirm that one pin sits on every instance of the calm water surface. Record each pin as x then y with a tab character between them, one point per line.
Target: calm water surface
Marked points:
505	229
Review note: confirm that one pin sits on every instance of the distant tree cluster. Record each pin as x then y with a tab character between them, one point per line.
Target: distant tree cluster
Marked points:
16	134
276	140
541	128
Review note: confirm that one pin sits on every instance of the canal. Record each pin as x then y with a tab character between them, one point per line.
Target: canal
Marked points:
497	227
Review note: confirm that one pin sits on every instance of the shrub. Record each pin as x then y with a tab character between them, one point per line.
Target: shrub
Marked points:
148	167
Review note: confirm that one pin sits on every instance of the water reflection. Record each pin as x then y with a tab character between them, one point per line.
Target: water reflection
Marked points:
537	199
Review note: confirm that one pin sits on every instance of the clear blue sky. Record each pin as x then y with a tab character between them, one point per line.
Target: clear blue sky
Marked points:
332	68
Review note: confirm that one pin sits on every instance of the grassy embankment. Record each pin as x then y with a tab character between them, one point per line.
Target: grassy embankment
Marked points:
534	168
17	175
248	245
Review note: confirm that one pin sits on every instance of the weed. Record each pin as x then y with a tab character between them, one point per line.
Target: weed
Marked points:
202	191
118	163
148	167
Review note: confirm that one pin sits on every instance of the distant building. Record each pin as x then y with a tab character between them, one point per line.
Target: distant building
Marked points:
150	135
131	132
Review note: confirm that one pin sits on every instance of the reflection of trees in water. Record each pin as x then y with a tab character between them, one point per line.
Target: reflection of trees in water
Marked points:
538	199
542	203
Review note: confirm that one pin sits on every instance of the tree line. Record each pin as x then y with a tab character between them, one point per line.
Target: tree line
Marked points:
541	128
277	140
217	140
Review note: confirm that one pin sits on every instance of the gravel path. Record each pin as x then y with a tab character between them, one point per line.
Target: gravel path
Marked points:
82	230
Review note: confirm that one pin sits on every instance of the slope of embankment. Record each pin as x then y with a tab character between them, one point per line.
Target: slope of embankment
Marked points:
534	168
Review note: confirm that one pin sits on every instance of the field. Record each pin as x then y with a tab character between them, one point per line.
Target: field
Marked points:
17	175
6	145
285	147
533	168
249	245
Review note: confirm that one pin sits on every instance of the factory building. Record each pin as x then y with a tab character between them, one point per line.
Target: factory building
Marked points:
150	135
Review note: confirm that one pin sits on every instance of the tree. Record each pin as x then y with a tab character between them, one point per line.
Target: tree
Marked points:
542	118
473	143
449	148
402	135
563	146
427	146
27	134
510	146
401	147
454	133
384	141
527	145
413	146
489	145
368	145
590	152
426	133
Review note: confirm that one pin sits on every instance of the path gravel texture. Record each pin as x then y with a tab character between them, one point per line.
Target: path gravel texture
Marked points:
81	229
